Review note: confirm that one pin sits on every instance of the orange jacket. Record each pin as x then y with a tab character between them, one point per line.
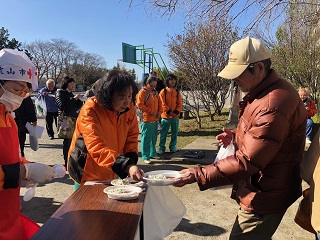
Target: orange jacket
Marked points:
171	101
107	135
152	105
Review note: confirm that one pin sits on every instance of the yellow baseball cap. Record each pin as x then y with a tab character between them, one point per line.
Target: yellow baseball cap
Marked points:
242	53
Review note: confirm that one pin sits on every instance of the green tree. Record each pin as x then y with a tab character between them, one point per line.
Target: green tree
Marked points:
5	42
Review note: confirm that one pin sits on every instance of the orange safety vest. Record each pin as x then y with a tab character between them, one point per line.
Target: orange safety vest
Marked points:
12	223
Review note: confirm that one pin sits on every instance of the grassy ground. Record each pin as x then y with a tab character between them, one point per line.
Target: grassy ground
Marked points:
189	131
316	118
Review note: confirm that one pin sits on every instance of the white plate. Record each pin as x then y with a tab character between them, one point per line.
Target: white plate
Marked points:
132	192
173	176
131	182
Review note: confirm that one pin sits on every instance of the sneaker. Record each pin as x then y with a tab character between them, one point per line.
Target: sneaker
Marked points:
160	151
147	161
308	141
174	150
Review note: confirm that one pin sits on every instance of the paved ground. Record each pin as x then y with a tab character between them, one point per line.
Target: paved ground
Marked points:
210	214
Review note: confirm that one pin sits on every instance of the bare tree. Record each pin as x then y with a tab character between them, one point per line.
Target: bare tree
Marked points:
66	54
88	68
297	51
199	54
255	11
58	56
43	57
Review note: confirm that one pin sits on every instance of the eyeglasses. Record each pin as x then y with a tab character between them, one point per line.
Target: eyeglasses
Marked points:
21	93
251	66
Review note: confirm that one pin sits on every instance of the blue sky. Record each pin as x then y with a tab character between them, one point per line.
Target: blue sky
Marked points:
95	26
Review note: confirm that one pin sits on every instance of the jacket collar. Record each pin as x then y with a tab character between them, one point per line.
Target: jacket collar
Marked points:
265	83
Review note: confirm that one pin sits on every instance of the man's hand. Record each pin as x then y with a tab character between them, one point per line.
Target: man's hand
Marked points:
187	178
77	96
225	138
38	172
135	173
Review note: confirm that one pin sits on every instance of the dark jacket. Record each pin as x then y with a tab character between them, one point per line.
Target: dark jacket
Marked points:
67	103
25	113
269	141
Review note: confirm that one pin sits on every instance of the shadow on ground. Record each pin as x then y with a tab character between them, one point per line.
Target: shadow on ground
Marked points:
199	228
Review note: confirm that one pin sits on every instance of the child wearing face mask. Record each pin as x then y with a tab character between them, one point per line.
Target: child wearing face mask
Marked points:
17	75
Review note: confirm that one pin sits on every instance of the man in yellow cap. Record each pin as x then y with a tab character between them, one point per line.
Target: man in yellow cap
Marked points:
17	76
269	143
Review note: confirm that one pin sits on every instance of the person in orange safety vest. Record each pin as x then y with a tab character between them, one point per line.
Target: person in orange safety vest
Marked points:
17	76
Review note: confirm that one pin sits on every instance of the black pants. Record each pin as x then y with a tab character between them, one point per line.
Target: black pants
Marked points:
66	146
22	140
50	117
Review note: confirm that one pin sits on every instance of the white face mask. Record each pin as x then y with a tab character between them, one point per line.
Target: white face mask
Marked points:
10	100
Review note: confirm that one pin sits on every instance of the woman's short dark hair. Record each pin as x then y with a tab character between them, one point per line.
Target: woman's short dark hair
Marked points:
149	79
65	81
114	81
171	77
144	82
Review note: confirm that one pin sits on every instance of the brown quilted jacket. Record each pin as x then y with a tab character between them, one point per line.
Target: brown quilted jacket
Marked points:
269	141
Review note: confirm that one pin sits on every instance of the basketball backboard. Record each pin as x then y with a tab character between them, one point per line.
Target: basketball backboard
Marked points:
129	54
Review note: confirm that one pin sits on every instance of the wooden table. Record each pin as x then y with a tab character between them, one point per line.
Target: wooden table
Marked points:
89	214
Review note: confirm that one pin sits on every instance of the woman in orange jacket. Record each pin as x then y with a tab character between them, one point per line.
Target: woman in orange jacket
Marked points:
171	102
107	133
148	102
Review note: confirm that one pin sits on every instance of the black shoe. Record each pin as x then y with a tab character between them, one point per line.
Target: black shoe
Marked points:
52	137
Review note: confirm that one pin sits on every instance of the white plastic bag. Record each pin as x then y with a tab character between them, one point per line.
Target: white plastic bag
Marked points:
162	212
41	107
225	152
35	132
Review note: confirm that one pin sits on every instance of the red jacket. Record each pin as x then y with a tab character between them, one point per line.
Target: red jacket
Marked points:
312	110
269	143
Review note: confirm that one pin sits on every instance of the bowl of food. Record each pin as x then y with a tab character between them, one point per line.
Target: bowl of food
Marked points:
122	192
126	182
161	177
